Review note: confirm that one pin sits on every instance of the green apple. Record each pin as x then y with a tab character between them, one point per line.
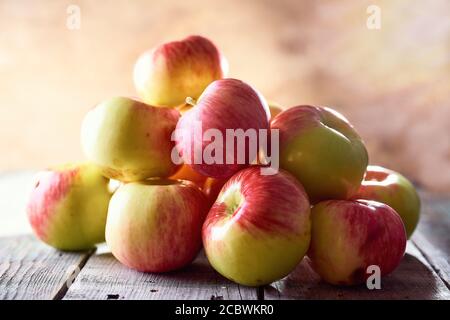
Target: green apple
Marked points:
322	150
68	206
390	187
130	140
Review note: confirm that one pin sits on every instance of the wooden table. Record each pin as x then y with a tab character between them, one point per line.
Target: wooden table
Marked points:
31	270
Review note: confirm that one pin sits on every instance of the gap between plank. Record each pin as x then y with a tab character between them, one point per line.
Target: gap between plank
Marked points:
427	258
61	292
260	293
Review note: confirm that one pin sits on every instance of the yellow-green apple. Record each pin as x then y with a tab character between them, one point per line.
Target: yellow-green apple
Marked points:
208	136
155	225
349	236
392	188
167	74
130	140
274	108
322	150
68	205
258	230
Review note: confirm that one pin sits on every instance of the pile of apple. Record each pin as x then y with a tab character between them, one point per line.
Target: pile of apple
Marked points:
324	202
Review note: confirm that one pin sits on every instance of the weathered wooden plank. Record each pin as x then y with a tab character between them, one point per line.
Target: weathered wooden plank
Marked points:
433	234
413	279
31	270
103	277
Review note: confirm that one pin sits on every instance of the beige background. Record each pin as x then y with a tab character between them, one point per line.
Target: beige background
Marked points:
393	83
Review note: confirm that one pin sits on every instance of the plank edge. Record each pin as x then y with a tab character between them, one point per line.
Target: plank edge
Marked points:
61	292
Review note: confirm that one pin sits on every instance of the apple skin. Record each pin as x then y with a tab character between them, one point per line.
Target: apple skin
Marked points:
274	108
348	236
67	207
187	173
392	188
183	108
155	226
225	104
322	150
167	74
211	188
130	140
258	230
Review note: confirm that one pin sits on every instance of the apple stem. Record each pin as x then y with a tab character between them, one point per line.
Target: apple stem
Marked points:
191	101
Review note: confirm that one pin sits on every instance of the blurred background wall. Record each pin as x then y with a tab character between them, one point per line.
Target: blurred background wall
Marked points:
392	83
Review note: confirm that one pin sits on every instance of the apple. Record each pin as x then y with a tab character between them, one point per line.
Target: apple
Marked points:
68	205
183	108
187	173
322	150
226	104
274	108
258	230
211	188
349	236
130	140
390	187
167	74
155	225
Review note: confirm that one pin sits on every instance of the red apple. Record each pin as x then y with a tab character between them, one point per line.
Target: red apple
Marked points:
68	206
390	187
225	106
155	225
349	236
258	230
322	150
167	74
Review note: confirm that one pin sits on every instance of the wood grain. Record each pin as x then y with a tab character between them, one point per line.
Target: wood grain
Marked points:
103	277
413	279
433	234
32	270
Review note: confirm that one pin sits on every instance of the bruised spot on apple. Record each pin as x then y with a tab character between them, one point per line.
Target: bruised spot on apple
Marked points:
155	225
130	140
322	150
68	206
226	104
258	230
392	188
167	74
349	236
